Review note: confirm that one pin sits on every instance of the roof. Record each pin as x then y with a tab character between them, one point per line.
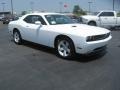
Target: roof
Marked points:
42	13
108	11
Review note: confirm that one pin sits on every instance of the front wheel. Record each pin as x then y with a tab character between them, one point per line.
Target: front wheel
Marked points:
17	37
65	48
92	23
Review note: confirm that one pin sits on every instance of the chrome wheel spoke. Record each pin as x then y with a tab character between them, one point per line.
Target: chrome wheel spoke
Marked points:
60	49
16	37
68	50
63	44
64	48
65	53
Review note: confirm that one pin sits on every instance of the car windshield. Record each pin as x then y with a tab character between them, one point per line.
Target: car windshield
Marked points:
58	19
95	13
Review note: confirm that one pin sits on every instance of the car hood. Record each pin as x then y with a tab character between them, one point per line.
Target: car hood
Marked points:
79	29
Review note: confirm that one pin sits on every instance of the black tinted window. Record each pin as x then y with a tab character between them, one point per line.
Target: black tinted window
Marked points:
33	18
58	19
106	14
28	19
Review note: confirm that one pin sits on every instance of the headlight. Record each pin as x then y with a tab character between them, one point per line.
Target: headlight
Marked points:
90	38
84	20
98	37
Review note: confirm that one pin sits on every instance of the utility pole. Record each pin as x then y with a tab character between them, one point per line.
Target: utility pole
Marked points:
3	4
61	4
89	6
12	8
32	6
113	5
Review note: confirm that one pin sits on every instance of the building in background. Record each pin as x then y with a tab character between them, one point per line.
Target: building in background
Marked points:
4	14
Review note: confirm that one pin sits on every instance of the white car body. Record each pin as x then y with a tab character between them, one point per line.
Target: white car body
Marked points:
46	34
102	19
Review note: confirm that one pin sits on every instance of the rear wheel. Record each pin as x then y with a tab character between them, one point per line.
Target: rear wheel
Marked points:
17	37
65	48
3	22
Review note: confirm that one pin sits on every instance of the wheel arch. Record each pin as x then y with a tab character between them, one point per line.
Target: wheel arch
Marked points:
16	29
92	21
62	36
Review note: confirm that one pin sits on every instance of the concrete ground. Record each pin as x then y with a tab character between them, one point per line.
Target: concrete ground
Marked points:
34	67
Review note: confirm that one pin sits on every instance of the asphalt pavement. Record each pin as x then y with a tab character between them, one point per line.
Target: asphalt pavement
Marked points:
35	67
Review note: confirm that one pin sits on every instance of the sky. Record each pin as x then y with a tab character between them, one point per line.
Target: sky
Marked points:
54	5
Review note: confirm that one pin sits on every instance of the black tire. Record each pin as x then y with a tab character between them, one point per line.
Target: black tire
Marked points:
17	37
92	23
3	22
66	54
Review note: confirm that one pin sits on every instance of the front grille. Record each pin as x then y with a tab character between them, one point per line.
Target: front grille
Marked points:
98	37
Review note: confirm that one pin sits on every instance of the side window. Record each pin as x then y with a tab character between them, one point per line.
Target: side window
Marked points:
110	14
28	19
106	14
41	20
33	18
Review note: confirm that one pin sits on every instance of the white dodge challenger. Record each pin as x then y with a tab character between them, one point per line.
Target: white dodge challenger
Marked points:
60	32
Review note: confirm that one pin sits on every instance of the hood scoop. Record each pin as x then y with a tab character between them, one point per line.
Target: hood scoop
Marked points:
74	26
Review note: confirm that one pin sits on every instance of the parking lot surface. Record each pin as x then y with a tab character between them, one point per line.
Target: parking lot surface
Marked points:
34	67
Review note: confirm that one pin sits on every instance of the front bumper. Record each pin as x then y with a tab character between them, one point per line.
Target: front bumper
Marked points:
94	46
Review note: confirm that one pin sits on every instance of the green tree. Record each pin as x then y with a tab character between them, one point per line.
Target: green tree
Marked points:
78	11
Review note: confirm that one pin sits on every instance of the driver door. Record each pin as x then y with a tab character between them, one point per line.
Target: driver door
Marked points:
33	32
107	18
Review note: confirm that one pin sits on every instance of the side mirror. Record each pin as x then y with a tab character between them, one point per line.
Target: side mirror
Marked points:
38	23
